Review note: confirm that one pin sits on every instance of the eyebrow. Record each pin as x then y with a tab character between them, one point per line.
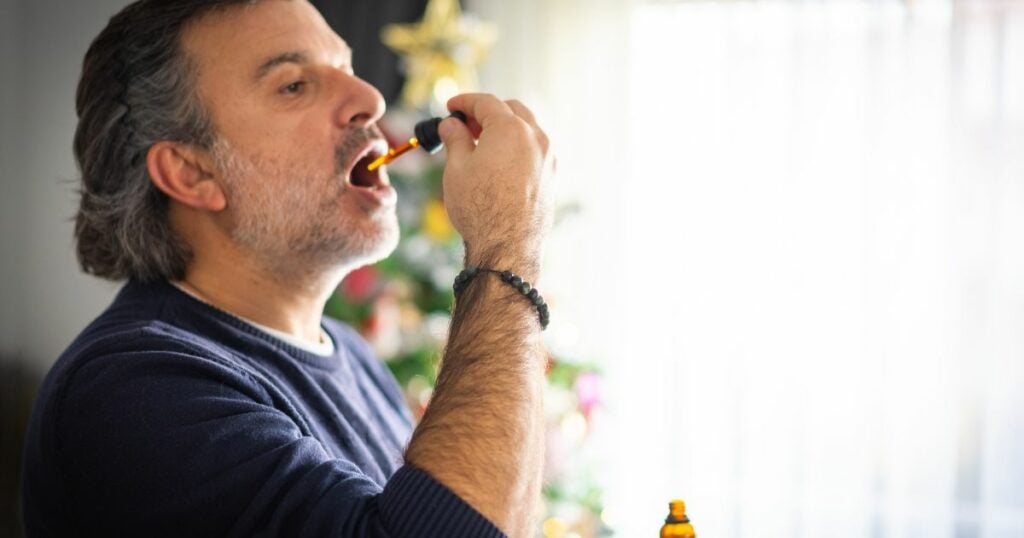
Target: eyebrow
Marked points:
295	57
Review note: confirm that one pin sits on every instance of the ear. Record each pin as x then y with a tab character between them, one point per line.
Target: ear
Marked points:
185	174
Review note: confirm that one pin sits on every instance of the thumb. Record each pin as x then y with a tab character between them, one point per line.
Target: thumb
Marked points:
457	137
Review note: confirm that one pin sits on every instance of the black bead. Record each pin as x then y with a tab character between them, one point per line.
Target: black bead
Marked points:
516	281
525	288
533	294
507	276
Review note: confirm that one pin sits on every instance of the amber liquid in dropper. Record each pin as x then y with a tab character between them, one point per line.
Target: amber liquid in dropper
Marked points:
393	154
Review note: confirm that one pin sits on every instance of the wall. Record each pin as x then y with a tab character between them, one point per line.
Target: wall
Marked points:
46	299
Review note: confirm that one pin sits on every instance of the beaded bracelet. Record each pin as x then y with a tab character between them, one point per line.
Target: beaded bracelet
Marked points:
517	282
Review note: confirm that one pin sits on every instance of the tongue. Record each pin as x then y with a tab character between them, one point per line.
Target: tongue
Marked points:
361	177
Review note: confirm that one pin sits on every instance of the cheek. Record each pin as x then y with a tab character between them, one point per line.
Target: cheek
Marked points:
313	159
311	140
299	167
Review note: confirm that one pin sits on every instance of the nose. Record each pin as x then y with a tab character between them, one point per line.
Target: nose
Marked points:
359	103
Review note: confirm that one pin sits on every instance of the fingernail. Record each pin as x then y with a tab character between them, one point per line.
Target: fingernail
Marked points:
445	128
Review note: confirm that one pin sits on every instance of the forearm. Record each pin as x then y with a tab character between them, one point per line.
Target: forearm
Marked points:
482	434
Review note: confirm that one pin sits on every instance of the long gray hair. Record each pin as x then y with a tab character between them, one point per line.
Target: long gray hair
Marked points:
137	88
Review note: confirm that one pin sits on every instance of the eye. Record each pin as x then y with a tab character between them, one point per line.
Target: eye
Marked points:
294	87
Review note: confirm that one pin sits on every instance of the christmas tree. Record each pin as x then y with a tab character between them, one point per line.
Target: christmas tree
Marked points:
402	305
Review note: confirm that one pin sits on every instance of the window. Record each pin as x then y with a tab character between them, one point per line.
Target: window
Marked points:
800	257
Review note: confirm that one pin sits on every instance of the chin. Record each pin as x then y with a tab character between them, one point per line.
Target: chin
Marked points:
384	241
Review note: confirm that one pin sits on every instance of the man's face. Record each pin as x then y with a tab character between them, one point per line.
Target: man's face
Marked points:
292	122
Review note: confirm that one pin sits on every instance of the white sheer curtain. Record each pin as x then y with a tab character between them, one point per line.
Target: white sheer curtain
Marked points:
800	260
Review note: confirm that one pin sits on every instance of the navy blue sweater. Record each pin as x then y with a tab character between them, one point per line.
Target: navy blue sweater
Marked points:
169	417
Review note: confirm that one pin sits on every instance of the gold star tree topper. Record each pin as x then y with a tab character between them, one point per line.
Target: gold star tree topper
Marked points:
441	53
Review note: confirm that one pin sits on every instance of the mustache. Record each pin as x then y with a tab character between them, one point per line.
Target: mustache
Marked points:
354	141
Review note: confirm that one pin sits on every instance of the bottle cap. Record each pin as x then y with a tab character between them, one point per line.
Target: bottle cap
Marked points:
677	512
426	132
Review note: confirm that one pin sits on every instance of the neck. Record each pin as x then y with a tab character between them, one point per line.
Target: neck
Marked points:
292	305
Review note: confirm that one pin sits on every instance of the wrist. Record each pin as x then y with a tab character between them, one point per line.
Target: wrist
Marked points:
517	282
505	257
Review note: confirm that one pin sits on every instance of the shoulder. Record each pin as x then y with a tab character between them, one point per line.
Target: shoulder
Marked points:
138	421
136	378
148	325
117	373
144	348
136	387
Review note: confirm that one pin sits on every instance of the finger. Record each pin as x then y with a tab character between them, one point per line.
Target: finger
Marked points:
457	137
526	115
523	112
482	108
469	121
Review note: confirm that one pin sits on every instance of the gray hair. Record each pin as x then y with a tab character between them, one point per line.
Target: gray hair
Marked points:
137	88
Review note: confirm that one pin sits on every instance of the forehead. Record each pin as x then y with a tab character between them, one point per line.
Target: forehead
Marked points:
229	46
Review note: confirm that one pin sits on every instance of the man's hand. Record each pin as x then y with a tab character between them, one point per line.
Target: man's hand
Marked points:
482	435
497	183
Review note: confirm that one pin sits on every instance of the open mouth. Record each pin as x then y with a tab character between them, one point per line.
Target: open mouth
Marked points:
360	176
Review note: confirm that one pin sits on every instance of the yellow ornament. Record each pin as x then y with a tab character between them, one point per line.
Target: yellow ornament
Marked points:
441	53
555	528
435	222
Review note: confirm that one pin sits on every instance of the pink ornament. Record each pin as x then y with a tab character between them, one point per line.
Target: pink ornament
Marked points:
588	391
382	328
359	285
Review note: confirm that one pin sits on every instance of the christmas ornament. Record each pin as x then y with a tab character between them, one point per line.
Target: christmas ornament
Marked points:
441	53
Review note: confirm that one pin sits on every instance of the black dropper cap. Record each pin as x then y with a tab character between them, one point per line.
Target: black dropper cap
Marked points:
426	132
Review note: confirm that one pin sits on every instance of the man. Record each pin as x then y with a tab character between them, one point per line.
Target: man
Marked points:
223	146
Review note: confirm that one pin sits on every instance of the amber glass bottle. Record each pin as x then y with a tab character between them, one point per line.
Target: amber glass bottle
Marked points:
677	525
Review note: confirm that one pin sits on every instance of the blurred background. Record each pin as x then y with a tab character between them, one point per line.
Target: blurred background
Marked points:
786	279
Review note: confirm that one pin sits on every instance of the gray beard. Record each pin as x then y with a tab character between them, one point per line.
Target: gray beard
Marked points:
300	233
